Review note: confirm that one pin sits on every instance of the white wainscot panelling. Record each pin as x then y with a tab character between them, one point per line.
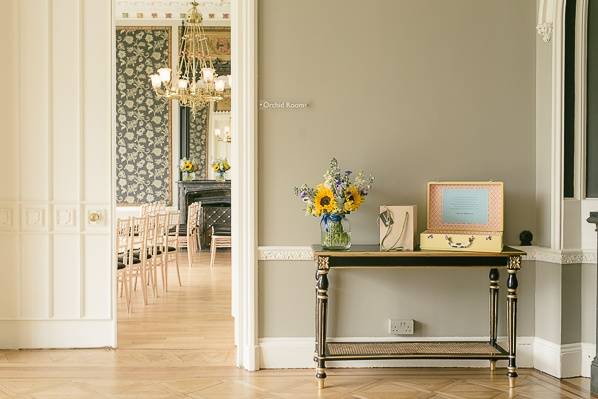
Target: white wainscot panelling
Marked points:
8	216
97	277
35	264
66	126
34	91
9	270
66	284
56	267
66	218
97	103
34	218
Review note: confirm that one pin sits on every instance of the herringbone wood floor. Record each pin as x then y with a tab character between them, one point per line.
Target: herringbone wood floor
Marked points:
181	346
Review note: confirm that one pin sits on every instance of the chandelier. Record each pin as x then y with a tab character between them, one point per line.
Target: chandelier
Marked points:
195	83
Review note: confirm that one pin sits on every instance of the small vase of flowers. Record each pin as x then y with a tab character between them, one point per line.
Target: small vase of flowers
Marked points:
340	194
188	169
220	167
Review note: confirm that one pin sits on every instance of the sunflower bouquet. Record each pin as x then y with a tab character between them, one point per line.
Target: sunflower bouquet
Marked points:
188	168
220	166
340	194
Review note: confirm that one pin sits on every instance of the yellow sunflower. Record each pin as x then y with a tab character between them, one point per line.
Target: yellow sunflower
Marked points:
324	200
353	199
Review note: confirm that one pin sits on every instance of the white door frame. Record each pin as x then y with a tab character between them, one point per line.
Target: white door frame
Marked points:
244	180
244	203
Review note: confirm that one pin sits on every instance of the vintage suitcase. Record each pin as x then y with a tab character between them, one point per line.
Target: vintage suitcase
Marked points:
464	216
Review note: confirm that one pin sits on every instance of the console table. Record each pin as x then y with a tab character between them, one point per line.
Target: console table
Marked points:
366	256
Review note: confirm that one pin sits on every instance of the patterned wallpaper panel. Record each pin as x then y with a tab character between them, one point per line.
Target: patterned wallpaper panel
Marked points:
143	122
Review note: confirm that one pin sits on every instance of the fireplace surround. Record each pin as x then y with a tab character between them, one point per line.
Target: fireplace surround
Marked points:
215	205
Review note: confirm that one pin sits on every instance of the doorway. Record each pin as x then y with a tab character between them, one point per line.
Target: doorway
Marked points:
197	288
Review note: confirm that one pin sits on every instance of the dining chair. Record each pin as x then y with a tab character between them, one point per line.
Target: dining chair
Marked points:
171	245
124	255
129	264
146	209
153	243
139	231
160	243
191	239
221	238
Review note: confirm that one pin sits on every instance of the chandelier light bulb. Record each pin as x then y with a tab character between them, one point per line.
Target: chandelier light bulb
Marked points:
220	85
156	81
217	133
183	84
165	74
207	74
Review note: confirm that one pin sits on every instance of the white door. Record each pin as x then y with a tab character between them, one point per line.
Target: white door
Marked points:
55	174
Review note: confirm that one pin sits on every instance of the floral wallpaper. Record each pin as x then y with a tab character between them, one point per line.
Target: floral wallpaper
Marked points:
143	122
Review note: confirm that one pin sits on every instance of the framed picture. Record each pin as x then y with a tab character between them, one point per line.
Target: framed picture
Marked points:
219	42
223	105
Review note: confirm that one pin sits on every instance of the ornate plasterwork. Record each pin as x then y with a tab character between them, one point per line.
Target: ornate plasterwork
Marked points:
564	257
545	24
285	253
212	10
545	30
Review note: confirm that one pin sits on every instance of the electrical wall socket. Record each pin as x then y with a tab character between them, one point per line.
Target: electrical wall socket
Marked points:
400	326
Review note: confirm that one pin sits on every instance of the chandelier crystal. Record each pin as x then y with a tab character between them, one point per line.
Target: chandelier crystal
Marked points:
195	83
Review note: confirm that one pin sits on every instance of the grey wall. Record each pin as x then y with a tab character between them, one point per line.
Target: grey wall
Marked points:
588	303
571	308
413	91
444	302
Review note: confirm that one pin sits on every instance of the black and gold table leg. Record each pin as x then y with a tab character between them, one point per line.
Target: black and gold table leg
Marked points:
494	287
512	284
321	313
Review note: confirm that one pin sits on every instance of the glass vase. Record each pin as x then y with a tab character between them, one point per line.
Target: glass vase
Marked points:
188	176
336	232
220	176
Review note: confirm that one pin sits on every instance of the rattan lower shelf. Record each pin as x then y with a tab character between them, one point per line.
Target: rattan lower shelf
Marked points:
414	350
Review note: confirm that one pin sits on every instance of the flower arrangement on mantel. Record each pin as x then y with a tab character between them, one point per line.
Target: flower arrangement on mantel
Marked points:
340	194
188	168
220	167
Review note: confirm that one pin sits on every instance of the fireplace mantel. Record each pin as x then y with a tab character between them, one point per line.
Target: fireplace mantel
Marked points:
215	200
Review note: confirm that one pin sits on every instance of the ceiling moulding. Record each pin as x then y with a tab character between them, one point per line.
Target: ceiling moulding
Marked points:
546	9
212	10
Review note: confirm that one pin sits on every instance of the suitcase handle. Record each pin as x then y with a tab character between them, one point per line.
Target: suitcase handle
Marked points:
459	245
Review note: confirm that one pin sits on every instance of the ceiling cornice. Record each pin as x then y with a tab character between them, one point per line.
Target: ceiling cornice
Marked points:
212	10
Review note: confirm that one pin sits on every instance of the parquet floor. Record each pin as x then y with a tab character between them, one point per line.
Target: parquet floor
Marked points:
181	347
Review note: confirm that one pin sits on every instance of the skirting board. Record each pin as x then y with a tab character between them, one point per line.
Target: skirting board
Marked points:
563	361
57	334
290	353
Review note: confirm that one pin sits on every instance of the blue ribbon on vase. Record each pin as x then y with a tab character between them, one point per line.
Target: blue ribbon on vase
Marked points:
331	217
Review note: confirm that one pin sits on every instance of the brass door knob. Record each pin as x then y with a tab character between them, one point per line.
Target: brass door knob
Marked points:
94	217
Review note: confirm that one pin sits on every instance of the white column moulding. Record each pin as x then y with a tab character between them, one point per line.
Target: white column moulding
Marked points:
244	181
